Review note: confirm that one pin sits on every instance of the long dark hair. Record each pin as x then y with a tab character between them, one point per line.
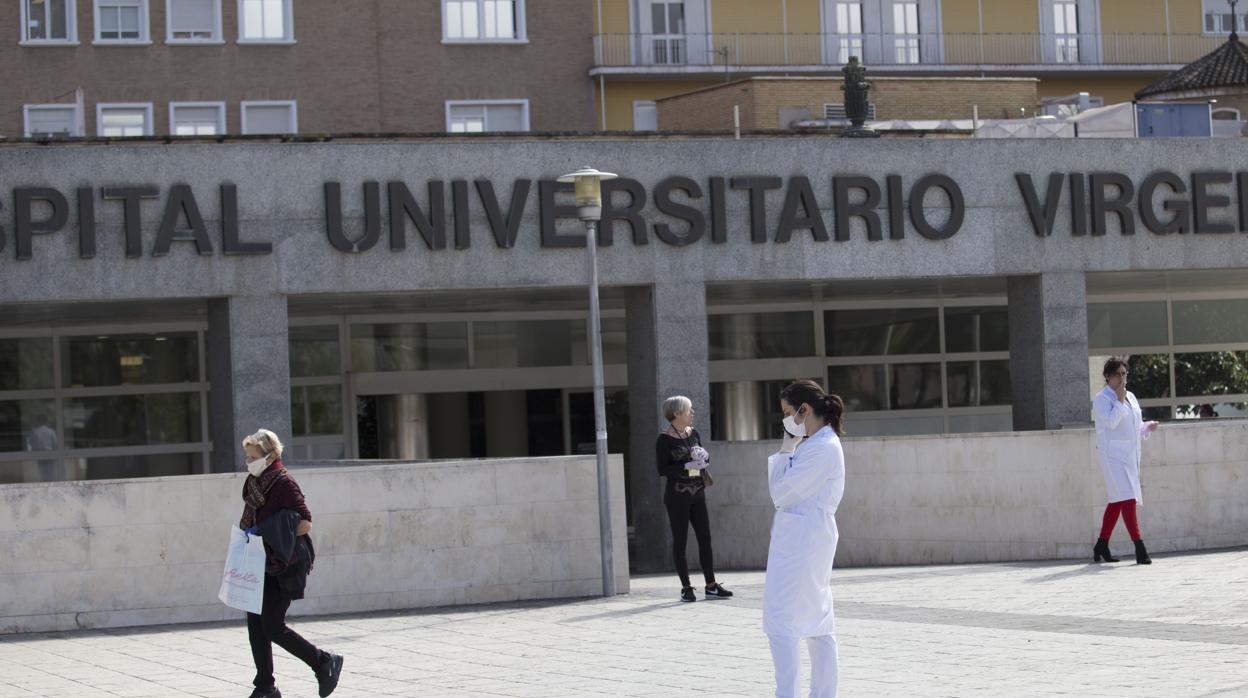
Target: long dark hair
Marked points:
827	406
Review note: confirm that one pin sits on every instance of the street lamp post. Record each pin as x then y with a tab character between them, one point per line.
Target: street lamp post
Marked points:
589	209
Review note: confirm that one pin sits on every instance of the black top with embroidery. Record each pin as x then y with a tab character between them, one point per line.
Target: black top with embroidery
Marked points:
672	452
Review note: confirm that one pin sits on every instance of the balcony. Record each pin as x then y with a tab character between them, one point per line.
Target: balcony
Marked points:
700	53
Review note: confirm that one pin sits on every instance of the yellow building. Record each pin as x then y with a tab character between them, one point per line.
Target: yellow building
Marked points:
648	49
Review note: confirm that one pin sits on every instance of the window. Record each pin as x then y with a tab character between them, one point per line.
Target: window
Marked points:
1188	358
645	116
49	21
123	120
121	21
266	21
52	120
906	31
849	30
1066	30
479	116
667	22
739	336
193	21
269	117
1220	18
197	118
483	20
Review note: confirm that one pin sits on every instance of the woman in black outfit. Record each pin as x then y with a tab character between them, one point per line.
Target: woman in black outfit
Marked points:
682	460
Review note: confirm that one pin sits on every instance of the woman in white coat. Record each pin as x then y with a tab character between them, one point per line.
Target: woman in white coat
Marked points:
806	480
1120	431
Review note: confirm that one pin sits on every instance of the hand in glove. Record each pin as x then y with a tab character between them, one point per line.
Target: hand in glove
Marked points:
789	443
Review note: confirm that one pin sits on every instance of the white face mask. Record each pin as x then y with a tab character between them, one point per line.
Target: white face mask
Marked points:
257	466
793	427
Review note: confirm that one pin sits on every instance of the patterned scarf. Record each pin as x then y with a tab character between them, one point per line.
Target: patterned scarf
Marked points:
255	490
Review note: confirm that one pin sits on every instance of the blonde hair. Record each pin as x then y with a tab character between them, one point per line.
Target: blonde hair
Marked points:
266	441
677	404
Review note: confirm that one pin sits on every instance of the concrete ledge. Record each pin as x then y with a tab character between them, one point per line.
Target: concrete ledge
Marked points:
114	553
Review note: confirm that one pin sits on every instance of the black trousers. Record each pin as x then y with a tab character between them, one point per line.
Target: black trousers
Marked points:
686	504
270	628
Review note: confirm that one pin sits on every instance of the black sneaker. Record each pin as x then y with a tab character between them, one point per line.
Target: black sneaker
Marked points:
717	591
687	594
327	673
270	692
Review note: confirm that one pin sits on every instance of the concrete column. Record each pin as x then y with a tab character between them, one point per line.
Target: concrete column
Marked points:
249	374
667	355
1049	350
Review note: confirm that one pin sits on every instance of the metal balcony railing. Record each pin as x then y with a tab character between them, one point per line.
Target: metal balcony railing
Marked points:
747	49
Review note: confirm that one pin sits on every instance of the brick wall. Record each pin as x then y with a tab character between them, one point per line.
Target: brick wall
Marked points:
761	100
376	66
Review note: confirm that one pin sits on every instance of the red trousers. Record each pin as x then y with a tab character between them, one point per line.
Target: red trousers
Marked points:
1127	508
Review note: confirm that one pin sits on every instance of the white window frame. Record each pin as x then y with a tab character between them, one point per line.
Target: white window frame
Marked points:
522	103
71	27
907	44
145	24
294	115
173	110
218	31
849	42
1219	9
288	29
521	37
638	105
76	132
102	107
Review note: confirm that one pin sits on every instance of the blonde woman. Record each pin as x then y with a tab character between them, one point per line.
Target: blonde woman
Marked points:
273	507
683	461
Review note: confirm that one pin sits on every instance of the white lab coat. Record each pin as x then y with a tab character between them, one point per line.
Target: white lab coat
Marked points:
1120	431
806	488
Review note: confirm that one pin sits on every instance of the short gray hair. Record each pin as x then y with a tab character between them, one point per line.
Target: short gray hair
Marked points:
265	441
674	405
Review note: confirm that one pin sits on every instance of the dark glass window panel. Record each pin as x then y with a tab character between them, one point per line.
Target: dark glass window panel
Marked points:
914	386
1210	321
1140	324
314	352
1211	373
409	346
861	387
163	357
28	425
977	329
994	383
882	332
962	383
316	410
133	420
1149	375
25	363
528	343
760	335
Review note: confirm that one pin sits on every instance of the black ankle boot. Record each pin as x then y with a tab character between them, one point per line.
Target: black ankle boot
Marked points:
1101	551
1141	554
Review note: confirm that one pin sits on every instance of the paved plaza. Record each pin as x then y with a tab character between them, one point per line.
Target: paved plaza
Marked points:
1071	628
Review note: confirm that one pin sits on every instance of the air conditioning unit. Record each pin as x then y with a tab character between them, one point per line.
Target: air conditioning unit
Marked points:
837	112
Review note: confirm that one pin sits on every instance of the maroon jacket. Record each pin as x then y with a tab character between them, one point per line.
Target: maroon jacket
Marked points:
285	494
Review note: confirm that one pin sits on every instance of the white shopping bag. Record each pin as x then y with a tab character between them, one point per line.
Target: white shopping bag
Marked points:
242	582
